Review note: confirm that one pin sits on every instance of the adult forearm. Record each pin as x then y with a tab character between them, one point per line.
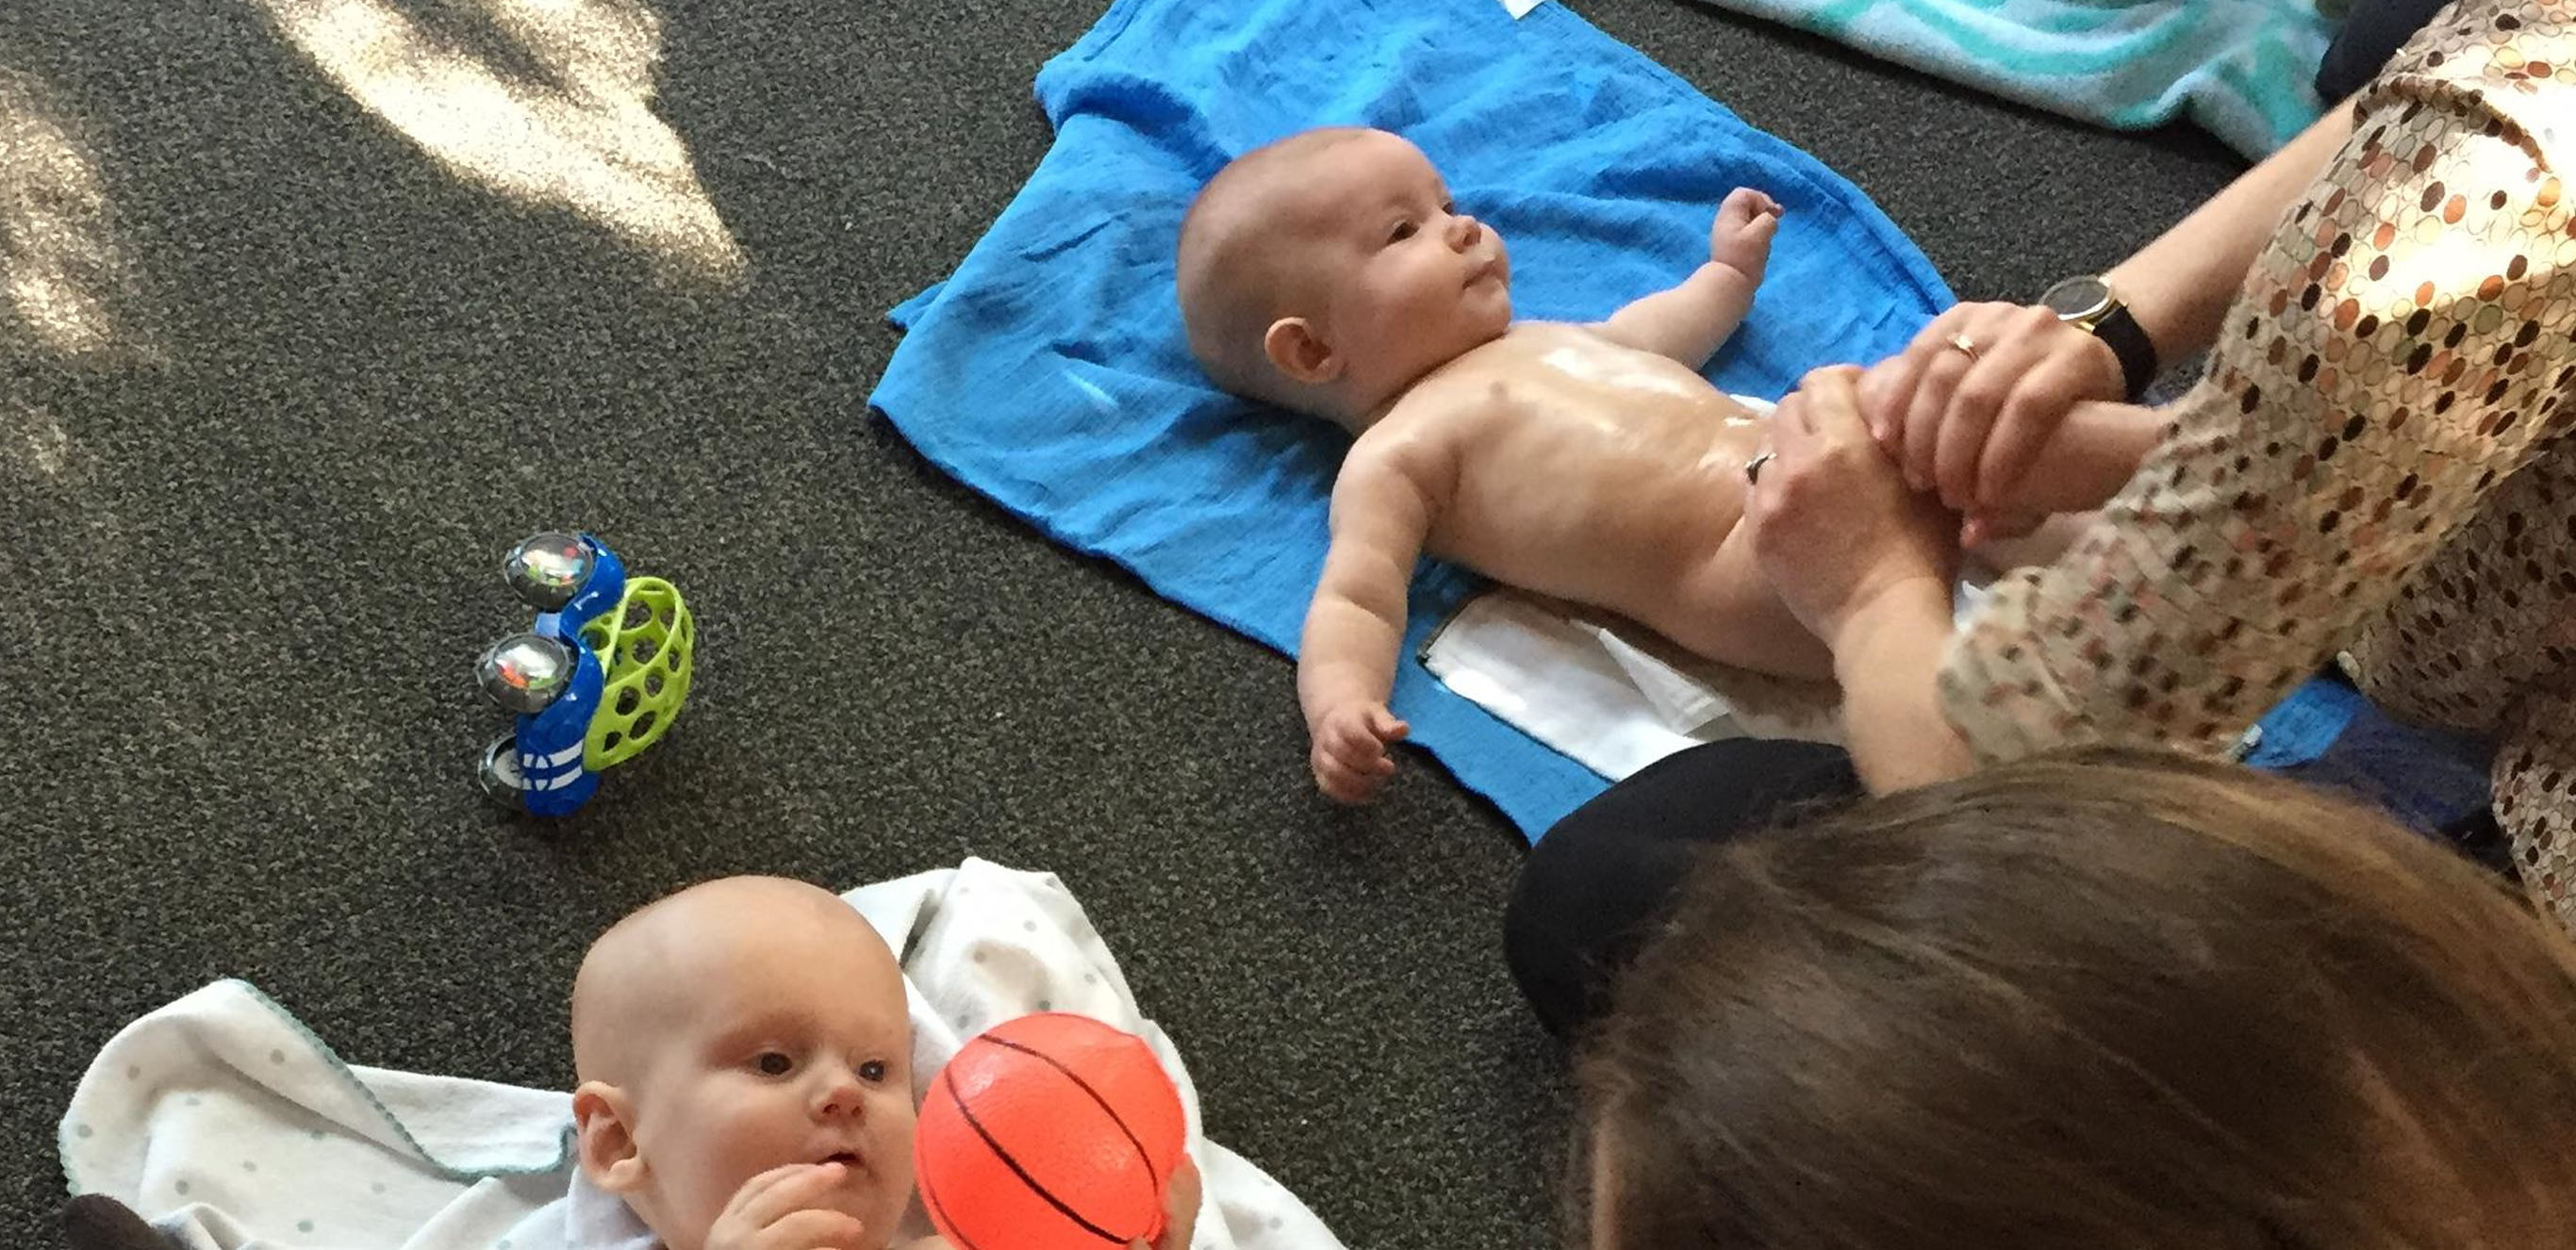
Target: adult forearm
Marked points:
2178	286
1888	658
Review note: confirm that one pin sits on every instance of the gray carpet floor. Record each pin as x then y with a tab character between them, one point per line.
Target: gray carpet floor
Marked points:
250	513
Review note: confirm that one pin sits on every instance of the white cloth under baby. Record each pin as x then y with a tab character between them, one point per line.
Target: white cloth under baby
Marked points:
1614	697
226	1122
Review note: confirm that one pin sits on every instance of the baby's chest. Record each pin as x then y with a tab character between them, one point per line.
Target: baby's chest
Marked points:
1568	372
1552	421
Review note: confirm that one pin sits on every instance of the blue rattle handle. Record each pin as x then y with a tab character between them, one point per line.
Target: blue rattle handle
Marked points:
551	742
553	778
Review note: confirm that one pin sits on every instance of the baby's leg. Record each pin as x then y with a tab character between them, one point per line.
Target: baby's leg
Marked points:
2038	548
2091	455
1726	610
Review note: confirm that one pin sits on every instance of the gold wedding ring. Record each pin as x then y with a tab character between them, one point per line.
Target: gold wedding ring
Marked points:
1967	346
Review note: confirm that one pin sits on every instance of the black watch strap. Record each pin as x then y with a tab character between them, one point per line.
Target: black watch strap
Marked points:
2120	332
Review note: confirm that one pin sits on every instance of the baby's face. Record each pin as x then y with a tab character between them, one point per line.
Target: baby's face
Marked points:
791	1045
1408	282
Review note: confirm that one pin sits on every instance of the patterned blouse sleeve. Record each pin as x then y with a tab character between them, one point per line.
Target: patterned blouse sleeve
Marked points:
2401	343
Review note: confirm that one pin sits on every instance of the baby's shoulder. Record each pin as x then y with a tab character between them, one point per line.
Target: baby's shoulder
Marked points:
1415	448
1429	416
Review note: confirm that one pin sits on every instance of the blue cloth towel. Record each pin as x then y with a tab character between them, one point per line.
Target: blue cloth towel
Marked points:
2245	70
1049	371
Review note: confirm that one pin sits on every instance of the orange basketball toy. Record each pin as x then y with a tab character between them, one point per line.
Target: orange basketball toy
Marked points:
1048	1132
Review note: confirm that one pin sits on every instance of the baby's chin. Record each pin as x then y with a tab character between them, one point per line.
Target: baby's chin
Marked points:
872	1202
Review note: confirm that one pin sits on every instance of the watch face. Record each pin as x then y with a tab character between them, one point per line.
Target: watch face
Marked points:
2077	297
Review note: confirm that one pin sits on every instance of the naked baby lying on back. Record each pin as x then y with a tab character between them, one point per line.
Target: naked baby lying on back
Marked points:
1329	273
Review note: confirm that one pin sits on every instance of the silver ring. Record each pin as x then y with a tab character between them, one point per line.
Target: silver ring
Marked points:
1753	468
1966	345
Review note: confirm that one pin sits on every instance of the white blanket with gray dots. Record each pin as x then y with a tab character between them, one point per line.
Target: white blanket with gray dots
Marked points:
226	1122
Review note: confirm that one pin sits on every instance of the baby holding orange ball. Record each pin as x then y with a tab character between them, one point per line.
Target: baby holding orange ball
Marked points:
744	1055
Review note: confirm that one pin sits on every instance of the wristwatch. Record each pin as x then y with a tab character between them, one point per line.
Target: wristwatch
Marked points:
2088	304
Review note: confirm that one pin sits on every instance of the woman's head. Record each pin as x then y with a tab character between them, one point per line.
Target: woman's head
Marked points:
2102	1001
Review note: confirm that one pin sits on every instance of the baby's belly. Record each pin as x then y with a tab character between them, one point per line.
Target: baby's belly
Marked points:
1622	541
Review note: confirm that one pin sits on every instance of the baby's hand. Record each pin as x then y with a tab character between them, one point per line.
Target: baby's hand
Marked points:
775	1211
1350	758
1741	239
1180	1210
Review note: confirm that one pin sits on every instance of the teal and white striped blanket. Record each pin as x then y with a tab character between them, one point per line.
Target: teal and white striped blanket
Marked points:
2242	69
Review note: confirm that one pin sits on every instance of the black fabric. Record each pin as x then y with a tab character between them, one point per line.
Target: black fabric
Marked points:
1595	883
2374	32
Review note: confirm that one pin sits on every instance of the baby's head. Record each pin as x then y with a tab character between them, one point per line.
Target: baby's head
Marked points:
734	1027
1328	271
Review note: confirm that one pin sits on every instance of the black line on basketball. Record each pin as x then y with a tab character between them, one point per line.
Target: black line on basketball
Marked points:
938	1209
939	1215
1021	1172
1114	1117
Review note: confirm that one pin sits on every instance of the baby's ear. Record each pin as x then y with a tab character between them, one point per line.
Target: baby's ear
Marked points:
604	1124
1297	351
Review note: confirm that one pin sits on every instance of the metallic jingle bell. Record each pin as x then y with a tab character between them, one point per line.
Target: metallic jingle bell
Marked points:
525	672
546	570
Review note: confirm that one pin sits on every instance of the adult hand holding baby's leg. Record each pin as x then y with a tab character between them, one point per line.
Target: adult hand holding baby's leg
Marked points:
1834	524
1968	405
776	1211
1350	759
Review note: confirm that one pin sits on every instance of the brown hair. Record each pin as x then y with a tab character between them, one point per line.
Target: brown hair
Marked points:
2100	1001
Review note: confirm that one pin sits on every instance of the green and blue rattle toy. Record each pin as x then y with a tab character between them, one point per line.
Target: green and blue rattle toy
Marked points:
598	678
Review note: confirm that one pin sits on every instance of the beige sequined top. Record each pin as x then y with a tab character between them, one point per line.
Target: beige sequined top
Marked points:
2401	352
2376	462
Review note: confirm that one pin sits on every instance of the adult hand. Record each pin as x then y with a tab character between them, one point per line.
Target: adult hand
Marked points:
1969	424
1834	523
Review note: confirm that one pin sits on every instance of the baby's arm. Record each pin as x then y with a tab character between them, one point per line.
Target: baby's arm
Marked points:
1691	321
1383	505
